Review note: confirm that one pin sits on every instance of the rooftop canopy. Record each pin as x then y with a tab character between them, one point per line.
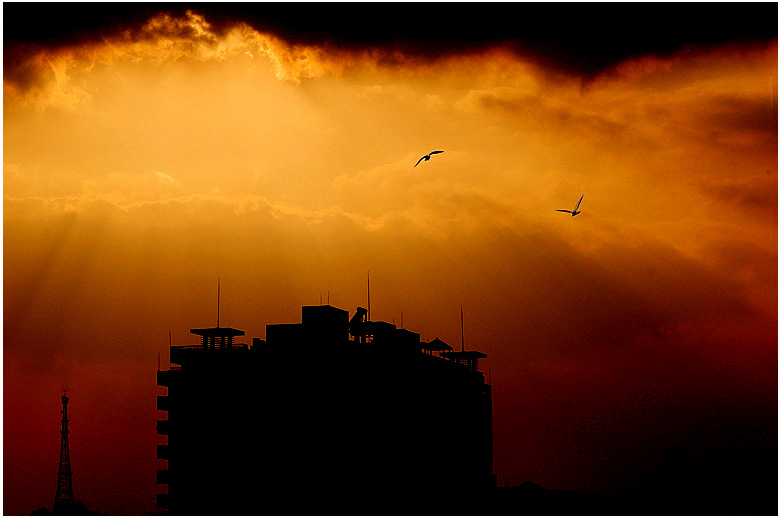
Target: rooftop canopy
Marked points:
436	345
217	331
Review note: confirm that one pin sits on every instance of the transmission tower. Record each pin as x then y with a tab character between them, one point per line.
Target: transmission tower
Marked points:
64	498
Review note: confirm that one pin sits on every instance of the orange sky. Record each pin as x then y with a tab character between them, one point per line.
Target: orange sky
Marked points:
140	169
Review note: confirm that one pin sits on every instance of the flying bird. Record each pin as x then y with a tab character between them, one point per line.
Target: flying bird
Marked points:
427	157
575	211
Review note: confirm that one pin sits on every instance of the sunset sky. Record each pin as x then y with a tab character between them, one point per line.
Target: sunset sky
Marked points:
150	150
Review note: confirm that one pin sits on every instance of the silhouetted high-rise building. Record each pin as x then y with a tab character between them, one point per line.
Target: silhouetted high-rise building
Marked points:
329	416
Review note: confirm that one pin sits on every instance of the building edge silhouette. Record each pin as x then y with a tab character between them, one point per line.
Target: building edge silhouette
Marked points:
332	415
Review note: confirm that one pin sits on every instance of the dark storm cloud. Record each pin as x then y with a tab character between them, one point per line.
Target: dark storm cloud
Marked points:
581	37
19	70
63	23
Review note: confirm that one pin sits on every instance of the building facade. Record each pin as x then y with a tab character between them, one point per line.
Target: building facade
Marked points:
333	415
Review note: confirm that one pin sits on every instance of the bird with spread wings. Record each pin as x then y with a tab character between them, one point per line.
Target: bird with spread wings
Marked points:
427	157
575	211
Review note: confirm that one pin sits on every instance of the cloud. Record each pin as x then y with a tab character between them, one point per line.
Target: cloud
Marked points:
192	27
752	194
166	179
752	114
502	99
44	81
45	77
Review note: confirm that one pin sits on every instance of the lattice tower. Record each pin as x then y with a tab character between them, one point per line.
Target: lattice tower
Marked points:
64	497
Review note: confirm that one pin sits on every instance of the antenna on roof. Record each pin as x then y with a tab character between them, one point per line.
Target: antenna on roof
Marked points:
170	342
218	301
462	346
328	298
368	284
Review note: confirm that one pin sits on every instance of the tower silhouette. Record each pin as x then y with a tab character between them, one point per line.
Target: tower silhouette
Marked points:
64	498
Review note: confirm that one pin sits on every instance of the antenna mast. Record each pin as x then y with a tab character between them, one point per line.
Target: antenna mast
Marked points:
218	301
462	346
368	284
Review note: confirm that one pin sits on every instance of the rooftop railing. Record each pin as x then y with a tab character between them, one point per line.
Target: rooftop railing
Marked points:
198	347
